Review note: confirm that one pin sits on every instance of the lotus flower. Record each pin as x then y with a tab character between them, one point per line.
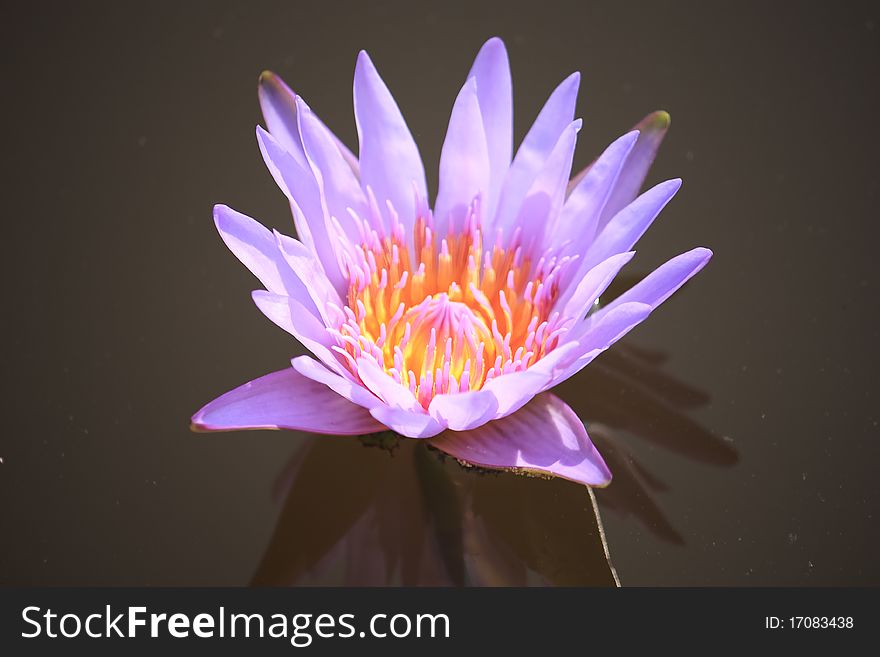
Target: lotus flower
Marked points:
447	324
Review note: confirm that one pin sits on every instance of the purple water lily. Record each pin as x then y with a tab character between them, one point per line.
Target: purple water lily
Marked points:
447	324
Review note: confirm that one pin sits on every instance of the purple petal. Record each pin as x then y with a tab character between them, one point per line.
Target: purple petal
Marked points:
411	424
340	189
577	300
545	197
301	188
257	249
579	219
651	129
288	314
545	436
464	162
387	389
555	116
655	288
278	103
515	390
491	70
351	390
307	268
628	225
389	157
595	334
285	400
464	411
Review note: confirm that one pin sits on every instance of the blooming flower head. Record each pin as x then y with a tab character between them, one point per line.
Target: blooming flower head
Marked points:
447	322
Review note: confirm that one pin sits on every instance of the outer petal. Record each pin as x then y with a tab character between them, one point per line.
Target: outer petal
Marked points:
340	189
544	199
628	225
464	162
580	215
545	436
302	190
411	424
278	103
651	129
285	400
287	314
578	298
387	389
557	113
390	160
257	249
307	268
351	390
655	288
464	411
491	70
596	334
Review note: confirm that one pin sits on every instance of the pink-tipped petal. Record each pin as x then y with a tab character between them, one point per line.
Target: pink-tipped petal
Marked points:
461	412
411	424
464	162
389	157
545	436
491	70
285	400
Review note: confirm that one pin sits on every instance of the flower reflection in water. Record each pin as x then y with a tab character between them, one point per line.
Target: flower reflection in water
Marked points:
356	515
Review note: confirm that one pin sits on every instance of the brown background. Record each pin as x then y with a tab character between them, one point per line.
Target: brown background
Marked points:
123	312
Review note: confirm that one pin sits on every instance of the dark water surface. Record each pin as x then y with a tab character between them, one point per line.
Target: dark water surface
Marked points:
741	420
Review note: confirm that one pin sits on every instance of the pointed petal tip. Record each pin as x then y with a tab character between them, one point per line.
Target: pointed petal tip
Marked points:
674	184
494	43
272	89
658	120
364	59
267	77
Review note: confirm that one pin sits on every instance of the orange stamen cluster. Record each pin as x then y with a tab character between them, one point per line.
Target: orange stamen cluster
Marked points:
443	314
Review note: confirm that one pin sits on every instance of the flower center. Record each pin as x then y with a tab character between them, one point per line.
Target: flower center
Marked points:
461	317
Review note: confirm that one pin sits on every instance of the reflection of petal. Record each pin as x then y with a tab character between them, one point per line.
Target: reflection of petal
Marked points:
417	518
551	526
318	511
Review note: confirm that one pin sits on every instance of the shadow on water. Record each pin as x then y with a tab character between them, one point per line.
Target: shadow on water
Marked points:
356	515
401	513
626	392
